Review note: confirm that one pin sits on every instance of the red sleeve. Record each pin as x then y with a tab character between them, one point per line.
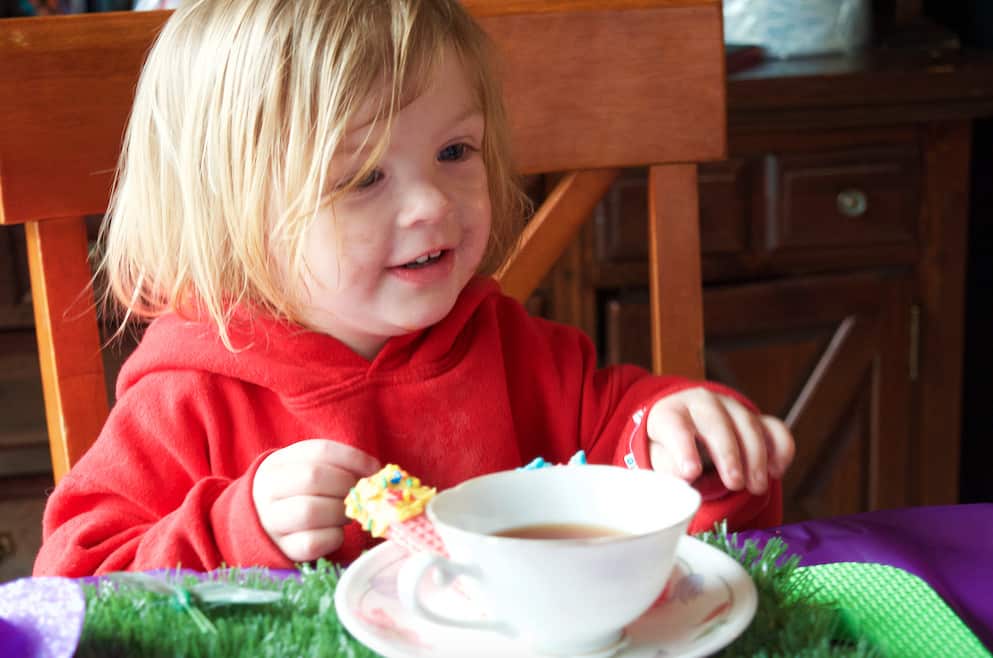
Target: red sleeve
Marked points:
741	509
145	497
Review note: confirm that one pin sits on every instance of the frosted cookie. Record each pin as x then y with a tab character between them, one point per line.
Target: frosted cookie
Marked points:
390	503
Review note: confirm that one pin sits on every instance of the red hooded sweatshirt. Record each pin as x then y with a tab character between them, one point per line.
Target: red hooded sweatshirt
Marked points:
169	481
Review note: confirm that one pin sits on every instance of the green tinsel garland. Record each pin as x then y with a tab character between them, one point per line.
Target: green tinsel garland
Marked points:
133	622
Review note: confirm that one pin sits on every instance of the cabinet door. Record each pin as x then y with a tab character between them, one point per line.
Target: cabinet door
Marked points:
20	535
830	355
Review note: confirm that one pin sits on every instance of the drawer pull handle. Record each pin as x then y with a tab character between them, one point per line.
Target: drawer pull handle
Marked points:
852	203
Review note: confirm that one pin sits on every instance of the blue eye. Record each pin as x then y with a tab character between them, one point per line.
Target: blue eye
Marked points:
453	153
374	177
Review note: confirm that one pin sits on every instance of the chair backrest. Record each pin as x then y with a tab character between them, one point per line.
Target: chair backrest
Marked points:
591	86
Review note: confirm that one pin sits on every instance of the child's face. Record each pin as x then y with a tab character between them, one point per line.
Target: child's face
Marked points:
392	255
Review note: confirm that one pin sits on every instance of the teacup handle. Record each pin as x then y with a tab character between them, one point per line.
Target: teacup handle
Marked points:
413	572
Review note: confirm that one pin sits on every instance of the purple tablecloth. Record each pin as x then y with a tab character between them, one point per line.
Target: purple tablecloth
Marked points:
950	548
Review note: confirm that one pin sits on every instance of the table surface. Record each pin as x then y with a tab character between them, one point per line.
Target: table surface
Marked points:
949	547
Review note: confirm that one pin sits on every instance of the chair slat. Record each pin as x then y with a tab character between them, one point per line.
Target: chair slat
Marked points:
552	228
588	85
68	339
675	282
588	89
67	83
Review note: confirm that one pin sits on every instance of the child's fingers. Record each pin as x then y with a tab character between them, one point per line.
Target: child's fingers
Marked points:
662	459
751	444
782	447
672	446
326	451
302	513
307	479
716	430
309	545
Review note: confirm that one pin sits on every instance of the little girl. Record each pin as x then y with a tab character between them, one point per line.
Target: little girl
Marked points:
310	196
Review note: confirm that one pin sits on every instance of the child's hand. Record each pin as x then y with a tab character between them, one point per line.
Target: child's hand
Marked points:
745	448
299	492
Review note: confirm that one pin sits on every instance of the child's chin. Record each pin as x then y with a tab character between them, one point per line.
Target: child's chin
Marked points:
428	318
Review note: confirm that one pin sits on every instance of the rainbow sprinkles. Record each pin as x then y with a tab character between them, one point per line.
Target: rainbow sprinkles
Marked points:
390	503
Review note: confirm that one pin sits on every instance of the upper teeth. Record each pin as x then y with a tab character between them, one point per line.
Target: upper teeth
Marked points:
424	259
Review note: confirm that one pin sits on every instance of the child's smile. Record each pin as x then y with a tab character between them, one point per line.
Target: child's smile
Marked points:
392	253
426	269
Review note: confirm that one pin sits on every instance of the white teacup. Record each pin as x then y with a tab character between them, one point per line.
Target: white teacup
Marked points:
561	596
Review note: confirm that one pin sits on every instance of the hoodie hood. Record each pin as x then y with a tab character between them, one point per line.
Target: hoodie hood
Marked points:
294	361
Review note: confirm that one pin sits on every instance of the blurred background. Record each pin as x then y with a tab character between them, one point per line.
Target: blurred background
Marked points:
847	246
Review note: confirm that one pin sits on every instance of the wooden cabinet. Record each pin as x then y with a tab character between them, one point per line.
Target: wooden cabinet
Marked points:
810	306
833	243
831	355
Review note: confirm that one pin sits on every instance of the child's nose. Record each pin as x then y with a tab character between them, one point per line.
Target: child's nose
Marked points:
425	201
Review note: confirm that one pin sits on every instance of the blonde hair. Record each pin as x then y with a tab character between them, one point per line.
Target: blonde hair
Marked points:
239	109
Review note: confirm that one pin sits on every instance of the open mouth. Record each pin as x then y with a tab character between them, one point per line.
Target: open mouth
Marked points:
425	260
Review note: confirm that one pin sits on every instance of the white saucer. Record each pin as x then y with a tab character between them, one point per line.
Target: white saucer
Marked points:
709	601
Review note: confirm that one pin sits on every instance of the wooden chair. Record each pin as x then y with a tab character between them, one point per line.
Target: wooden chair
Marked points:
592	86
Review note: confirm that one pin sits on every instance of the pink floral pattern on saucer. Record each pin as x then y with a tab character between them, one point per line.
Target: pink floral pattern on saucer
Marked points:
708	602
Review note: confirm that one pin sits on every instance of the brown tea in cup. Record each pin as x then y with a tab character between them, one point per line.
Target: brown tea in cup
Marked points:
560	531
